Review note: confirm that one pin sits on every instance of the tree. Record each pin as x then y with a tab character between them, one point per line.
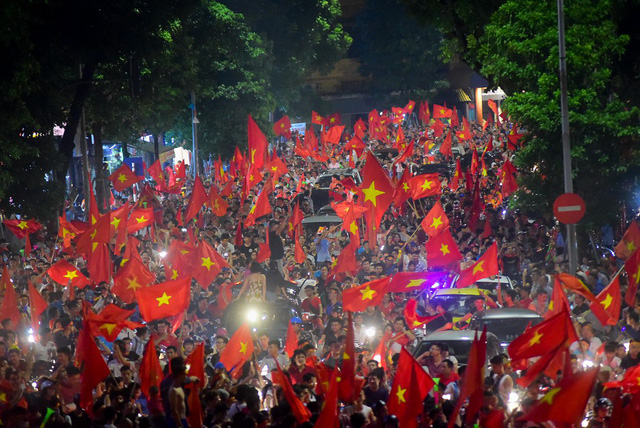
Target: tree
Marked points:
398	52
520	53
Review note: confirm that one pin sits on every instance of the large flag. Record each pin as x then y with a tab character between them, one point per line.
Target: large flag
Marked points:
150	369
442	250
630	241
347	388
377	188
9	307
357	299
207	264
610	301
198	198
239	349
406	282
95	368
436	220
257	144
218	205
110	322
411	384
64	272
441	112
123	178
139	219
100	266
283	127
346	261
425	185
164	300
632	266
97	233
544	337
566	401
329	414
261	208
22	228
486	266
130	278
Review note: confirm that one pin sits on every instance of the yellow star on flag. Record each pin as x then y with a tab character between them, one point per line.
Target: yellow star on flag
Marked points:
405	186
23	225
93	234
122	178
371	193
478	267
400	394
631	246
253	209
345	356
243	348
353	228
636	276
426	185
71	274
437	222
253	155
367	293
3	397
216	205
108	327
444	249
184	251
141	219
174	274
133	283
442	111
164	299
549	396
274	168
607	301
415	283
536	338
115	222
206	262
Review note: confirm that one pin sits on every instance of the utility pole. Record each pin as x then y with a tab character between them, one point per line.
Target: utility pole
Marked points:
85	156
194	134
572	242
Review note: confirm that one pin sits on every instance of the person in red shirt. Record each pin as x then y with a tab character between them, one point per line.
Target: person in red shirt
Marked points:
163	336
448	373
312	303
387	306
298	367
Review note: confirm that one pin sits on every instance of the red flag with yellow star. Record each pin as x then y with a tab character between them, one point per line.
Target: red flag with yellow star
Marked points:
632	266
261	208
630	241
411	384
22	228
97	233
377	188
197	199
446	147
455	181
608	302
123	178
317	119
283	127
298	252
441	112
150	369
347	390
239	349
357	299
139	219
576	285
164	300
218	205
62	272
130	278
257	145
100	265
425	185
436	220
413	319
544	337
484	267
110	322
9	307
442	250
403	190
405	282
346	261
206	265
118	222
66	231
95	368
565	402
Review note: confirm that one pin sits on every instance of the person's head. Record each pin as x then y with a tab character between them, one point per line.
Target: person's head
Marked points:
63	355
587	331
374	381
299	358
372	365
163	326
435	350
358	317
447	368
399	324
310	380
335	325
274	347
13	356
296	324
171	352
127	375
497	364
221	343
633	319
541	297
634	348
578	300
263	339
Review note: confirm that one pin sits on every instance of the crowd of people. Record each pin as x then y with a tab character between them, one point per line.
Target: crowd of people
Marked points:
42	372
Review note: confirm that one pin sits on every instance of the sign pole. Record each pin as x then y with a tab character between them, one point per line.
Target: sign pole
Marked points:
571	243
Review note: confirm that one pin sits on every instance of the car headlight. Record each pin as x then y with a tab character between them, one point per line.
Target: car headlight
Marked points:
370	332
252	315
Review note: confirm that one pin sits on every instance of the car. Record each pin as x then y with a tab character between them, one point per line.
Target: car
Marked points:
271	316
325	217
459	343
505	323
456	149
490	283
320	192
386	154
432	168
457	303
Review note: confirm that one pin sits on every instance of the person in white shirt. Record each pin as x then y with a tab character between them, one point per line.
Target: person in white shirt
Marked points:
225	247
586	332
359	330
44	349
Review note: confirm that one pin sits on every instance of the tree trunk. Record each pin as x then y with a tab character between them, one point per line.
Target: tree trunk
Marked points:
156	146
66	144
98	155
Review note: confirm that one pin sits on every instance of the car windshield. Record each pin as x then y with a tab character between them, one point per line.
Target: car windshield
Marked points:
507	329
454	304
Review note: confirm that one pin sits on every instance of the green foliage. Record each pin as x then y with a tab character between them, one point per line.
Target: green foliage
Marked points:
397	52
519	52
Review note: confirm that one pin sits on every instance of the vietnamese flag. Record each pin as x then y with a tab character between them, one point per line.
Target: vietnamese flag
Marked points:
413	319
298	252
558	302
155	172
123	178
301	413
411	384
100	266
150	370
544	337
442	250
329	414
139	219
164	300
277	168
118	227
97	233
239	349
441	112
357	299
423	112
574	284
425	185
291	344
22	228
455	181
110	322
9	308
130	278
632	266
446	147
566	401
66	231
257	144
261	208
283	127
64	272
355	144
403	190
608	301
317	119
405	282
630	241
436	220
484	267
206	264
195	363
334	134
347	390
197	199
37	304
377	188
346	261
218	205
95	368
359	129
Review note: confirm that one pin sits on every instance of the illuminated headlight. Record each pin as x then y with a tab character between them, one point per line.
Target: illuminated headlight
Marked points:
162	254
252	315
587	364
435	285
370	332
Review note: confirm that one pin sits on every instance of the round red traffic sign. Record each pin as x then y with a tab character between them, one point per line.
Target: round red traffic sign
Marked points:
569	208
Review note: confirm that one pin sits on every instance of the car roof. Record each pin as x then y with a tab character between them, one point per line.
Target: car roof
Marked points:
467	291
339	171
452	335
502	313
496	279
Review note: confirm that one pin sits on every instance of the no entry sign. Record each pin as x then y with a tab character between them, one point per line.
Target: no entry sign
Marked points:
569	208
